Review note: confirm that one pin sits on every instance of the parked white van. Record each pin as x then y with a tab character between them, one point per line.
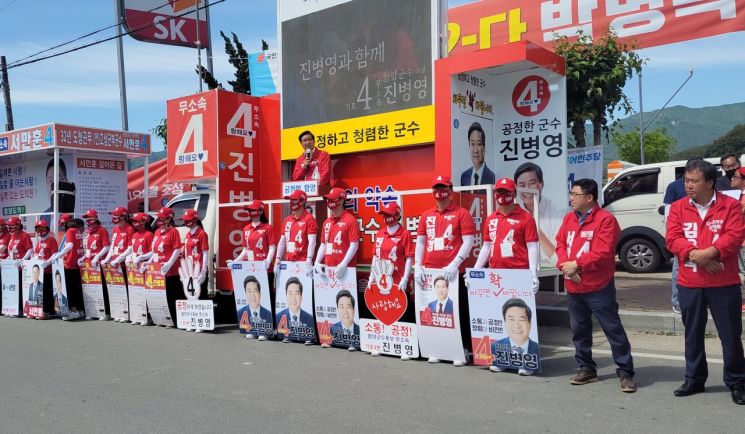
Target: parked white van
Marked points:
635	197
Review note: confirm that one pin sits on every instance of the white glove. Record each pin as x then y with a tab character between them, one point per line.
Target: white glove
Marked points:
318	268
276	268
229	261
165	269
267	264
20	263
341	270
45	264
419	274
94	263
202	277
119	259
54	257
402	284
309	269
536	283
104	261
450	272
188	277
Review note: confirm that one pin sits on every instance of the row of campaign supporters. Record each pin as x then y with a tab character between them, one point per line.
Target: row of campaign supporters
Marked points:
303	287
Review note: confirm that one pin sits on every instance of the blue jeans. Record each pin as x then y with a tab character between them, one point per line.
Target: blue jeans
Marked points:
724	303
674	279
603	305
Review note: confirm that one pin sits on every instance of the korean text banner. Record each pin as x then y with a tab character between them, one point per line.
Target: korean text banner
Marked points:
264	78
504	330
26	139
11	294
514	125
238	123
192	137
356	59
172	22
489	23
96	139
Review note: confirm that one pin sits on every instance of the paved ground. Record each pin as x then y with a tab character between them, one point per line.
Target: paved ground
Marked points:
96	377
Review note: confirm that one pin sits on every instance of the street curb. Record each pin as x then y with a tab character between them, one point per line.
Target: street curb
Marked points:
655	322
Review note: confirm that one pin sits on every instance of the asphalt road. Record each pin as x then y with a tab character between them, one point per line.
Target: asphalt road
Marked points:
108	377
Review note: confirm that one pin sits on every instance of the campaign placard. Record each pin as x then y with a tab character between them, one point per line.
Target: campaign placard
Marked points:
92	290
117	286
437	317
397	339
33	288
137	298
504	330
337	314
252	298
59	288
155	294
195	314
11	287
294	303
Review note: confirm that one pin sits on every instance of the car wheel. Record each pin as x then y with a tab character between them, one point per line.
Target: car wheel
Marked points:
639	255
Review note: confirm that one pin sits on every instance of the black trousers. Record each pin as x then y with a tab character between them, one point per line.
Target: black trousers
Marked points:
724	303
74	288
464	313
107	309
47	294
174	292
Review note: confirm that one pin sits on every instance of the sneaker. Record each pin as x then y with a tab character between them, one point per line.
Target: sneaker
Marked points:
145	323
189	330
525	372
584	375
43	316
627	384
66	318
459	363
116	320
250	336
134	323
495	368
105	318
286	340
198	331
405	358
262	337
89	318
352	349
308	342
322	345
433	360
376	354
676	309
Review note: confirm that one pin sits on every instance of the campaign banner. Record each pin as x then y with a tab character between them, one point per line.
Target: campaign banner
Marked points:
59	287
11	287
514	125
137	297
117	287
174	22
192	138
585	163
264	77
253	302
397	339
32	282
337	313
504	330
195	314
437	316
155	294
294	303
26	186
92	290
26	139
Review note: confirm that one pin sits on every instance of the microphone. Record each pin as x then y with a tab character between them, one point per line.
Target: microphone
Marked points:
308	153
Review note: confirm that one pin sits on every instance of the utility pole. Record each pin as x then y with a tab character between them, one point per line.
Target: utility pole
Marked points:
641	120
6	94
120	62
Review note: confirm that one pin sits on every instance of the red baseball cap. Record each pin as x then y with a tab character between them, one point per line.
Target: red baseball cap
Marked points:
41	223
189	215
165	213
14	221
297	194
336	194
64	218
741	171
442	180
141	217
505	184
255	205
91	214
119	211
391	209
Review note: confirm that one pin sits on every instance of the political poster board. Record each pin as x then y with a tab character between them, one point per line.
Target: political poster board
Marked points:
513	124
504	329
137	297
59	288
437	316
117	287
252	298
397	339
155	294
93	300
294	303
11	290
194	314
337	311
33	288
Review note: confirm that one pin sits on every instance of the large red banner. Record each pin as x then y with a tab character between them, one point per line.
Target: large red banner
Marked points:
171	22
646	23
192	137
160	190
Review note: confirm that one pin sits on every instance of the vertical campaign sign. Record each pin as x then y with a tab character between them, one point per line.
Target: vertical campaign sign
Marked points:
11	287
192	142
294	303
252	298
337	314
59	286
92	290
504	331
118	300
137	298
33	288
437	317
155	294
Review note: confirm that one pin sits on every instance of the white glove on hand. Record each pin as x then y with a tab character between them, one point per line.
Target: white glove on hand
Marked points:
54	257
318	268
309	269
165	269
341	270
450	272
536	283
276	268
402	284
267	264
419	274
229	261
189	278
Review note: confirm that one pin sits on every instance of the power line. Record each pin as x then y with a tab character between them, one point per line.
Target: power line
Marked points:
100	41
7	5
84	36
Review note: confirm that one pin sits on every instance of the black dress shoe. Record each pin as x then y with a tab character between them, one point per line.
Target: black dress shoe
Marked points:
738	393
690	388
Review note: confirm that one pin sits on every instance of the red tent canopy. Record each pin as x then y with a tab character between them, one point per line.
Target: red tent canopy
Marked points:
161	190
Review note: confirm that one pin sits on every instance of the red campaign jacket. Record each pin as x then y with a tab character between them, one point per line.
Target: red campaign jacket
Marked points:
592	245
722	228
320	162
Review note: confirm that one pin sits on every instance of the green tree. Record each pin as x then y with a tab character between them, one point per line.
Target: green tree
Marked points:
596	72
658	145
